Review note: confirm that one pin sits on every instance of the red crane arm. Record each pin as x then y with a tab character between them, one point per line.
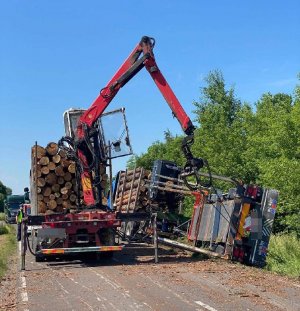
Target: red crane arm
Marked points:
132	65
128	70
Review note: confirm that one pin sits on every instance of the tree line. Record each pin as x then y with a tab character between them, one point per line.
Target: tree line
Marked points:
258	143
4	191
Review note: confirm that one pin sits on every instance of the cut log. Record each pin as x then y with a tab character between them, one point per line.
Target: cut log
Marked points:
65	196
71	168
51	166
44	160
46	199
47	191
62	153
39	151
125	201
52	204
135	185
60	180
55	188
40	197
59	201
68	185
38	190
67	176
73	197
64	190
65	162
130	172
66	204
59	171
52	196
57	194
129	177
56	158
52	148
45	170
41	182
51	179
37	174
41	207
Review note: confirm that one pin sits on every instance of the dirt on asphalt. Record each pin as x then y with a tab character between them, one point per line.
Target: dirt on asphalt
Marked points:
9	285
219	278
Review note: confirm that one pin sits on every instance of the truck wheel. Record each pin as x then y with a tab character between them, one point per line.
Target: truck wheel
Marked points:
107	238
107	255
39	258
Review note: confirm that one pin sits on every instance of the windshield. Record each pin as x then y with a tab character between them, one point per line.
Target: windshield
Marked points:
13	206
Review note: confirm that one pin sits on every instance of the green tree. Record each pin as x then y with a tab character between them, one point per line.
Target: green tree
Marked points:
224	126
4	191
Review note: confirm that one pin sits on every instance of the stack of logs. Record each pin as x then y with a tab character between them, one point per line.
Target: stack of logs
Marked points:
132	193
53	179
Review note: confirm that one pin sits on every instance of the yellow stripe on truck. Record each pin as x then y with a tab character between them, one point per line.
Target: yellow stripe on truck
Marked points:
53	251
110	248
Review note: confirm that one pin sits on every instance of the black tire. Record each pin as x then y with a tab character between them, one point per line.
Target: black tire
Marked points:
39	258
107	255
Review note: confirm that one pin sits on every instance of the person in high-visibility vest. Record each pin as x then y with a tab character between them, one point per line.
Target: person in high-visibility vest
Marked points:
19	219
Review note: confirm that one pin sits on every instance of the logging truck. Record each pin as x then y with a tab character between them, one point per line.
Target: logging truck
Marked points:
69	180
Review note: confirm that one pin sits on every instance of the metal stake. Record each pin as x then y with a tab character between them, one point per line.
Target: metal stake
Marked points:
155	238
23	244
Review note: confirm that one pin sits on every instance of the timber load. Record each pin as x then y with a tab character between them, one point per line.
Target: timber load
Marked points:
132	191
53	181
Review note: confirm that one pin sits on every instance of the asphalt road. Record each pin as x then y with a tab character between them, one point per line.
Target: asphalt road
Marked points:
131	281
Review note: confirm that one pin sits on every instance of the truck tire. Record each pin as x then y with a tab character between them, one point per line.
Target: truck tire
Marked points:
107	238
39	258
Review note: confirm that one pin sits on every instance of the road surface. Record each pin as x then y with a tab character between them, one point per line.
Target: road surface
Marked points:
131	281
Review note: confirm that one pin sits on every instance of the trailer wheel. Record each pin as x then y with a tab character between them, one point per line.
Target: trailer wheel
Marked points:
107	238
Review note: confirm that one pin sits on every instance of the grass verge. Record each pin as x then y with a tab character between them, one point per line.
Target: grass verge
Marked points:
284	255
2	216
7	246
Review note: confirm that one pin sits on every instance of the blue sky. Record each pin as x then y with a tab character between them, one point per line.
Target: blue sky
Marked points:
57	54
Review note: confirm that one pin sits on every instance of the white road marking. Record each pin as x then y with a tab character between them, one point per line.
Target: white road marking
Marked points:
108	281
169	290
204	305
24	296
23	280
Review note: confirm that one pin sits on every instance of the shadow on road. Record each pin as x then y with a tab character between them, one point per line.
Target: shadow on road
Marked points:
132	254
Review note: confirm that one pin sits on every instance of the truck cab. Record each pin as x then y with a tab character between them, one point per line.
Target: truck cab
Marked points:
11	207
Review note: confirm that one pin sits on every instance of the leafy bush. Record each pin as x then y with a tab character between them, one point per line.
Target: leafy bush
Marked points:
4	229
284	255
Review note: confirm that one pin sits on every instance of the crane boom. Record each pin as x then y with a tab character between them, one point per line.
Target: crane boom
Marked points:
141	56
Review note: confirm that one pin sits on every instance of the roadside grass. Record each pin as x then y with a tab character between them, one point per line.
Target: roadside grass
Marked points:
2	216
284	255
7	246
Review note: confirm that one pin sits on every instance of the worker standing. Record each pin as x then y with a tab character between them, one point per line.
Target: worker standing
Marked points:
19	219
